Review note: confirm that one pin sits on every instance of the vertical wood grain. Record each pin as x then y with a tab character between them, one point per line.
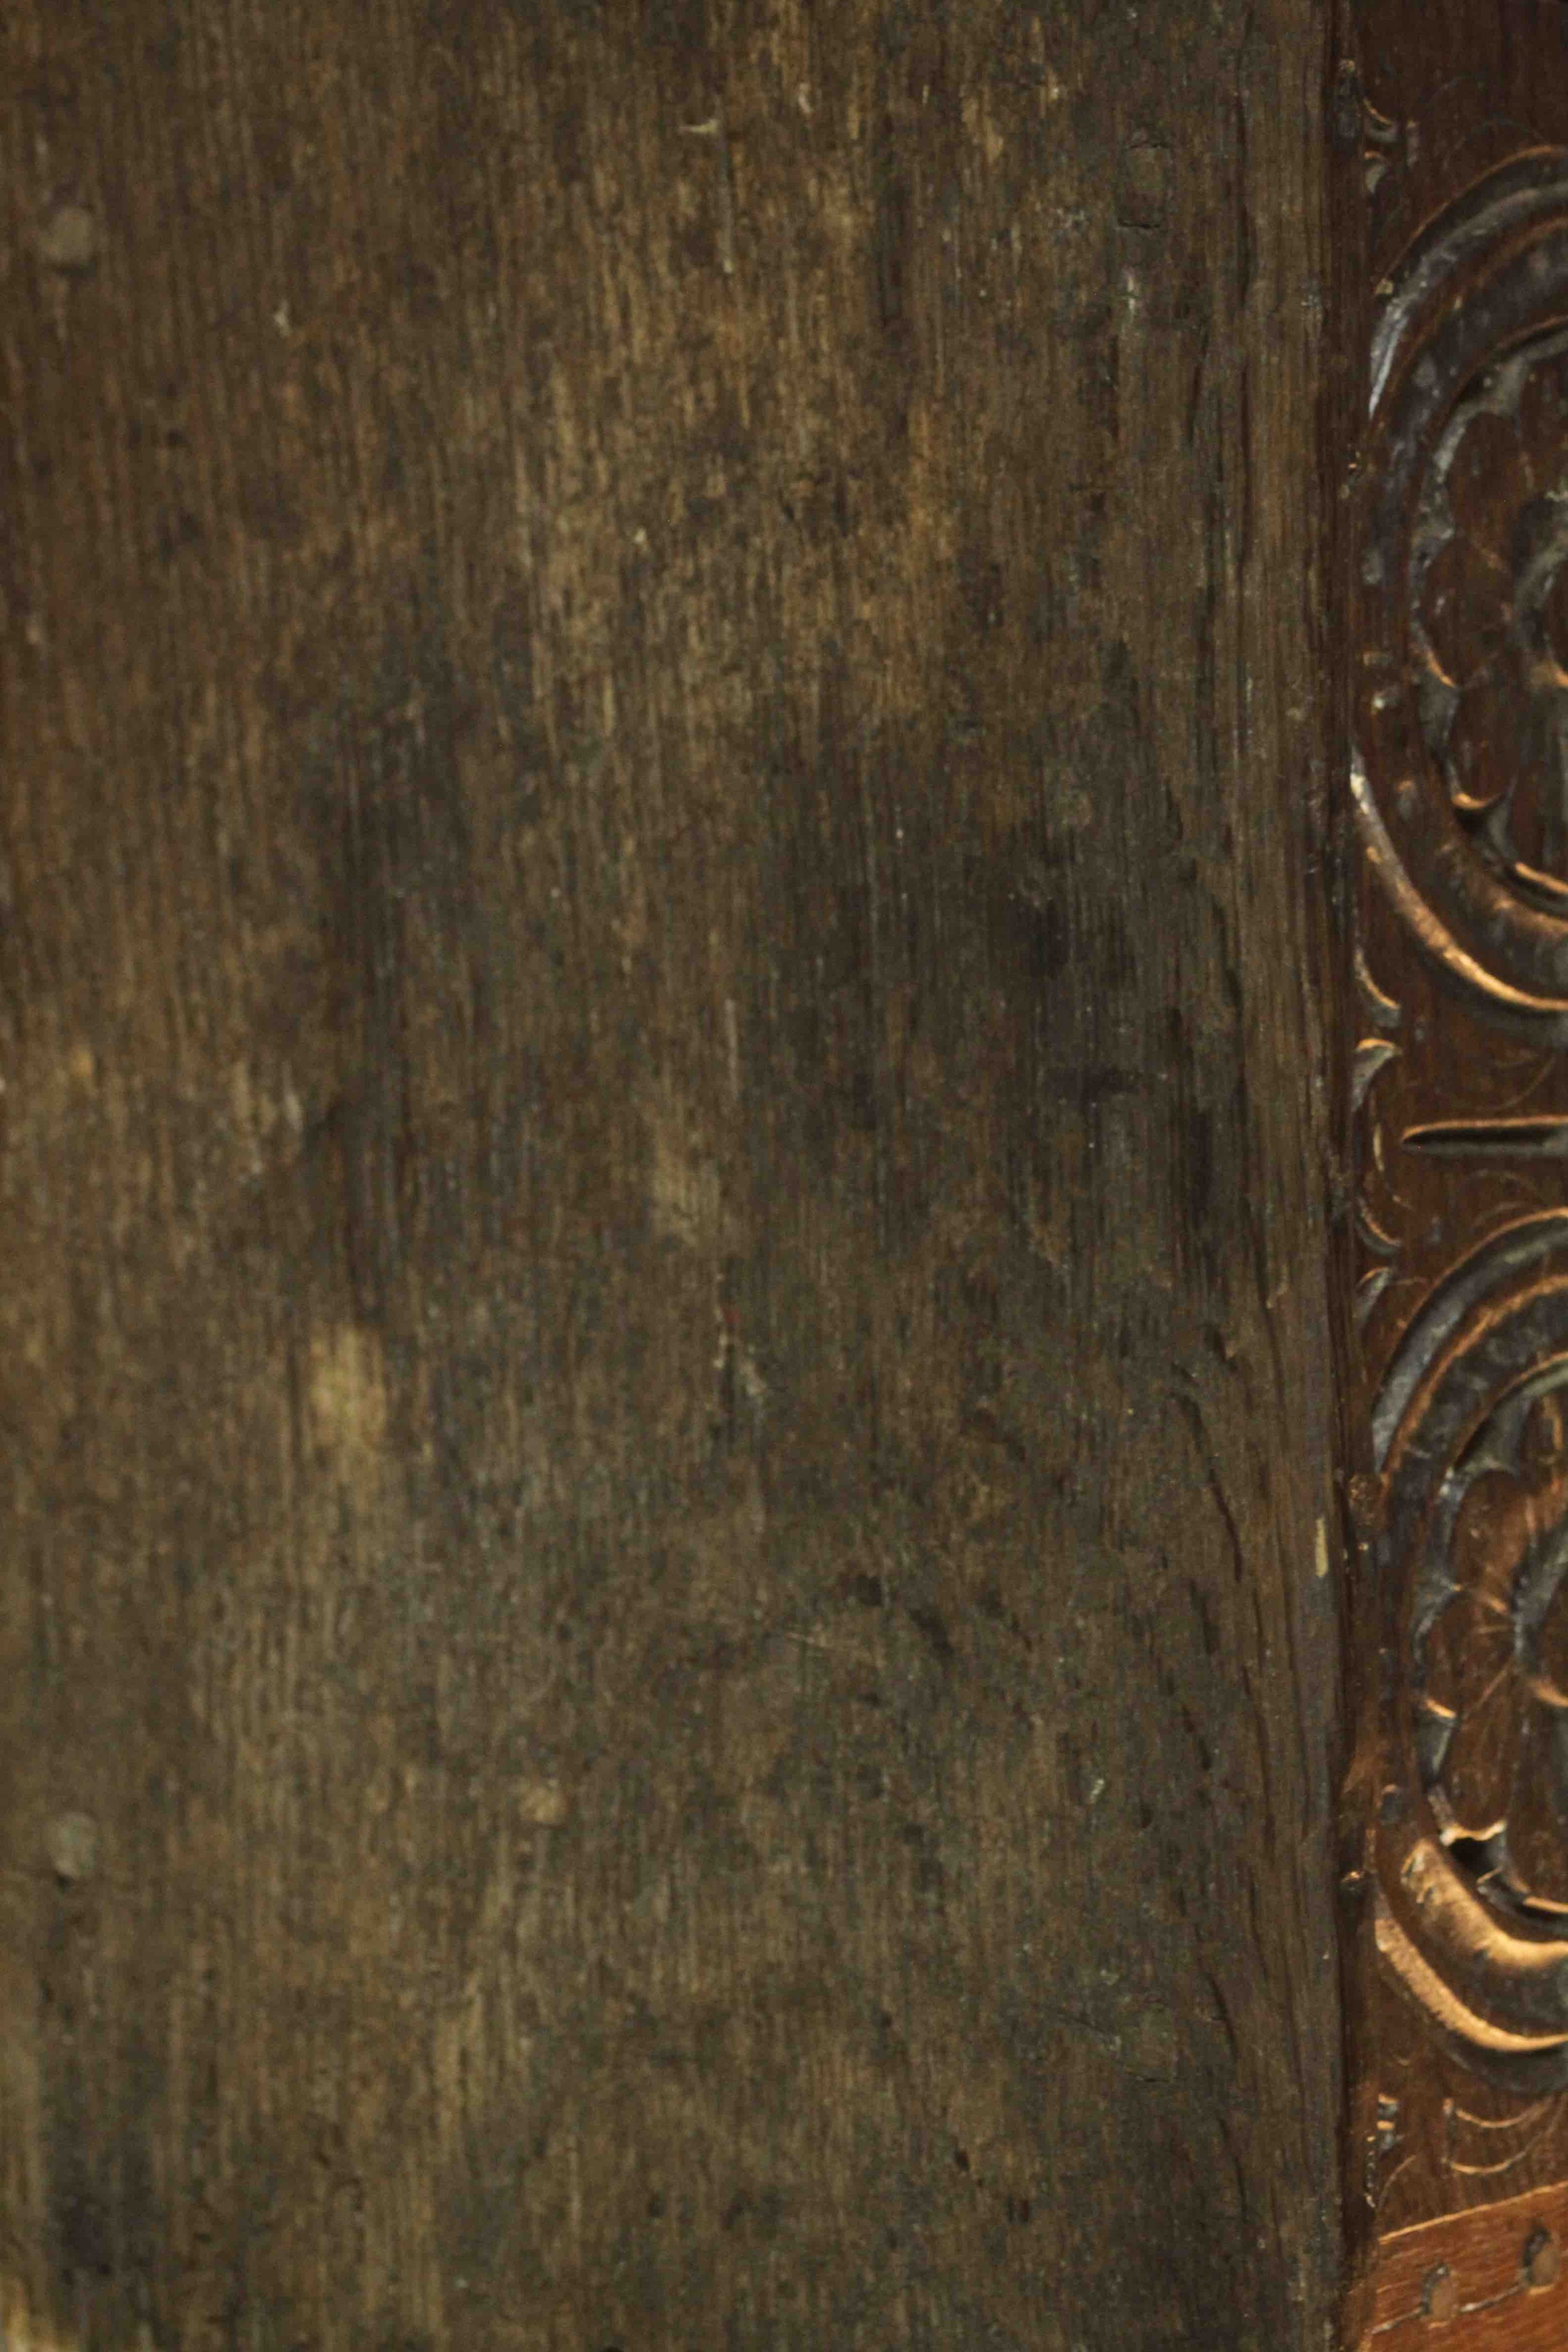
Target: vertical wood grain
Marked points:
668	1679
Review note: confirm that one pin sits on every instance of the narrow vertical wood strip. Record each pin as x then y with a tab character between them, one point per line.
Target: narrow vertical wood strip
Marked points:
1450	407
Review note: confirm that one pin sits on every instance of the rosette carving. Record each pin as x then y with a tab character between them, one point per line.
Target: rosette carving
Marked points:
1461	719
1470	1434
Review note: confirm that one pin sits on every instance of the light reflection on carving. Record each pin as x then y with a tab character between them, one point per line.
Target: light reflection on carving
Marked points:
1471	1433
1461	777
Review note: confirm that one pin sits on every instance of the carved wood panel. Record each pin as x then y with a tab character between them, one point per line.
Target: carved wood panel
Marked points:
1448	420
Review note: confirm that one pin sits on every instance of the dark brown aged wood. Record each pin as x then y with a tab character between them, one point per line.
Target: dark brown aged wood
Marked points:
670	1578
1451	380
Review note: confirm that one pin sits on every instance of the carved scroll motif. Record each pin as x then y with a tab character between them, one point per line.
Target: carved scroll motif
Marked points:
1460	784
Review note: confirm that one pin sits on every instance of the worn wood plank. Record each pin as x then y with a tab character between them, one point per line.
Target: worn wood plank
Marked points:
668	1644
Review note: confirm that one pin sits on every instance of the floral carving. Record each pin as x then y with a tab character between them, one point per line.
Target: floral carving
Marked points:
1495	1674
1491	617
1458	777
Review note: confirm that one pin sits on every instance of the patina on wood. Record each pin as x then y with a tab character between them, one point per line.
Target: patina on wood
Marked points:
1452	240
669	1606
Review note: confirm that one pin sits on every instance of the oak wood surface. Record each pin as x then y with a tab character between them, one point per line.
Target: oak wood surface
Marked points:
668	1618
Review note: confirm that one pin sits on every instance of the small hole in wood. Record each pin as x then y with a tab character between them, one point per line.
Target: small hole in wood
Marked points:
1543	2260
1440	2294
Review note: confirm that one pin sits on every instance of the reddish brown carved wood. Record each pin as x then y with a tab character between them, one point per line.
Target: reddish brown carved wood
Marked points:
1492	2280
1451	422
